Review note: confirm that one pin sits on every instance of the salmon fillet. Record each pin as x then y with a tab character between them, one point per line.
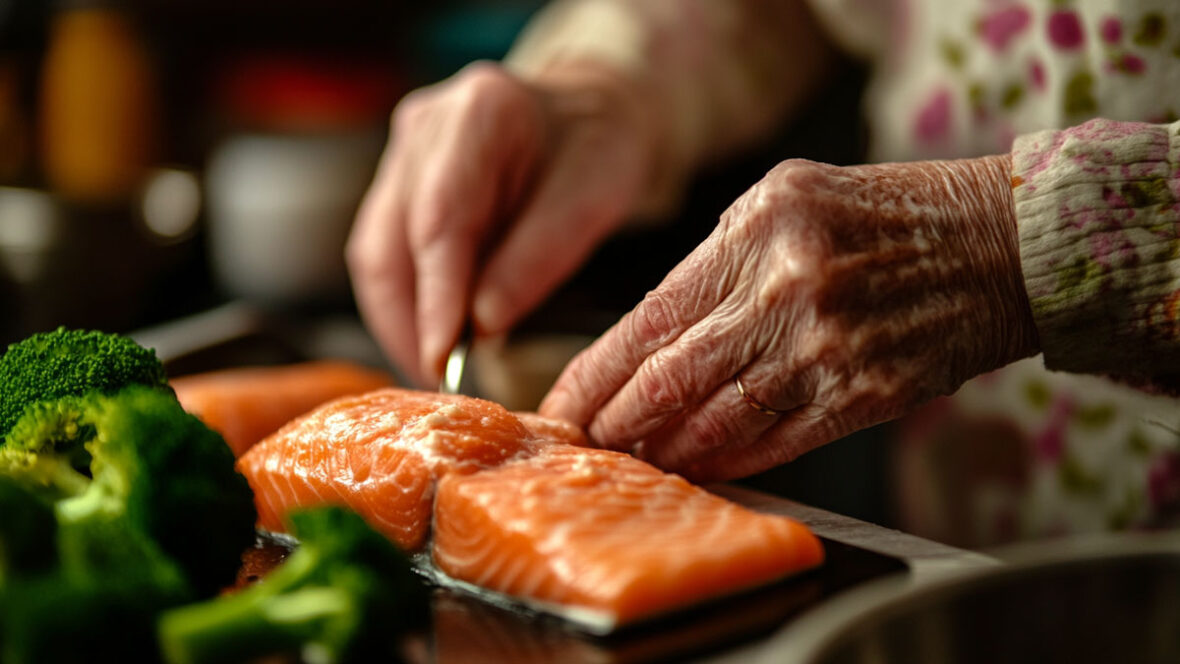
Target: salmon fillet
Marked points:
607	535
380	454
518	505
246	404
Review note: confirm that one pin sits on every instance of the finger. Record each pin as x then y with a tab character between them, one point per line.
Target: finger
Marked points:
835	406
475	168
683	298
573	208
448	220
676	377
726	419
381	269
794	433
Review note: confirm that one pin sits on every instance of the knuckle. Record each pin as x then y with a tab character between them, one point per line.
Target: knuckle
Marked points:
797	175
487	88
782	193
365	259
793	186
659	386
481	71
478	88
429	228
654	321
409	110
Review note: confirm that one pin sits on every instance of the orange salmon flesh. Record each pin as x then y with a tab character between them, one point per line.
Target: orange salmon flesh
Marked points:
246	404
516	503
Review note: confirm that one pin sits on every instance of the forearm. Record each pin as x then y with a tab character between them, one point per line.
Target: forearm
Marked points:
712	76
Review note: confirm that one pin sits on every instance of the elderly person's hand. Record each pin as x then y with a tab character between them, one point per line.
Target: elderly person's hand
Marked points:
839	297
492	191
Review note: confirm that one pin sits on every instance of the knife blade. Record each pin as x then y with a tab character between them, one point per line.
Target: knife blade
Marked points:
452	379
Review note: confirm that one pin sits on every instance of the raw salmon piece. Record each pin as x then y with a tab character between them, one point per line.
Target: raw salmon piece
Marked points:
606	538
547	428
380	454
246	404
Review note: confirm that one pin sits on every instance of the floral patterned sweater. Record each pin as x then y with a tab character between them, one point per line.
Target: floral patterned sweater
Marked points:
1080	92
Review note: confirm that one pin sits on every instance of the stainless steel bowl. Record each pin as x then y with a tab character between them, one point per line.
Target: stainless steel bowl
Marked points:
1102	600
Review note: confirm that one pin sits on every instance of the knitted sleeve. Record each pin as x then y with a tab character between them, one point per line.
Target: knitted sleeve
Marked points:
1097	212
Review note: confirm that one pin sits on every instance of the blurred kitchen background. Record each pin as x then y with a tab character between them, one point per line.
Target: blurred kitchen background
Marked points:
162	156
163	159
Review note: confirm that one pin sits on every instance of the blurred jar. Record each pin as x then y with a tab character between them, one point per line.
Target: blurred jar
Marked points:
284	183
99	108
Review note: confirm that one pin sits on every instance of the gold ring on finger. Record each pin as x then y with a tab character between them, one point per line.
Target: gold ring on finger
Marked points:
752	402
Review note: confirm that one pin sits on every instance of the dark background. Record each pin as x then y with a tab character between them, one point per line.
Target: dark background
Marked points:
104	272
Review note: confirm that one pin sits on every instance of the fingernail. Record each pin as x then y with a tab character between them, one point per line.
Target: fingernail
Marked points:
490	310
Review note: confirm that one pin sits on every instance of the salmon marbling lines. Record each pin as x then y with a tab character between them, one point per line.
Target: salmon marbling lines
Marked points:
594	535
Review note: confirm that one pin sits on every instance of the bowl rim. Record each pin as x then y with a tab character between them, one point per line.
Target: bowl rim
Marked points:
818	631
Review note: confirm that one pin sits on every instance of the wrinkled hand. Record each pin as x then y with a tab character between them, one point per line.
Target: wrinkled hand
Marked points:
492	191
841	297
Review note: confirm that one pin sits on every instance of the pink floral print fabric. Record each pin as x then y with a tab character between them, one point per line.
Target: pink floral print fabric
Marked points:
1029	451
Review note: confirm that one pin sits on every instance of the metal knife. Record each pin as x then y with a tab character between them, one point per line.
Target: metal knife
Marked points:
452	379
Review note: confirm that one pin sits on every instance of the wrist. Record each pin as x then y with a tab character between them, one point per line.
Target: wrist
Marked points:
998	240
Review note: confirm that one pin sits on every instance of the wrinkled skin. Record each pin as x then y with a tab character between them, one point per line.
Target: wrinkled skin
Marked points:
492	191
842	297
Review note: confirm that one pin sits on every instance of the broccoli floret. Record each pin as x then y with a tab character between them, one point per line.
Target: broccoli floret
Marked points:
115	503
109	548
345	595
136	460
64	362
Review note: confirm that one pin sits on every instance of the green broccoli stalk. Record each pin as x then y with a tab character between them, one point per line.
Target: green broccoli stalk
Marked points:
345	595
136	461
100	603
28	537
108	617
88	587
64	362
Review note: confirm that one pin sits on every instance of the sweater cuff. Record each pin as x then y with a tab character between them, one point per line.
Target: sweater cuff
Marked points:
575	30
1097	213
